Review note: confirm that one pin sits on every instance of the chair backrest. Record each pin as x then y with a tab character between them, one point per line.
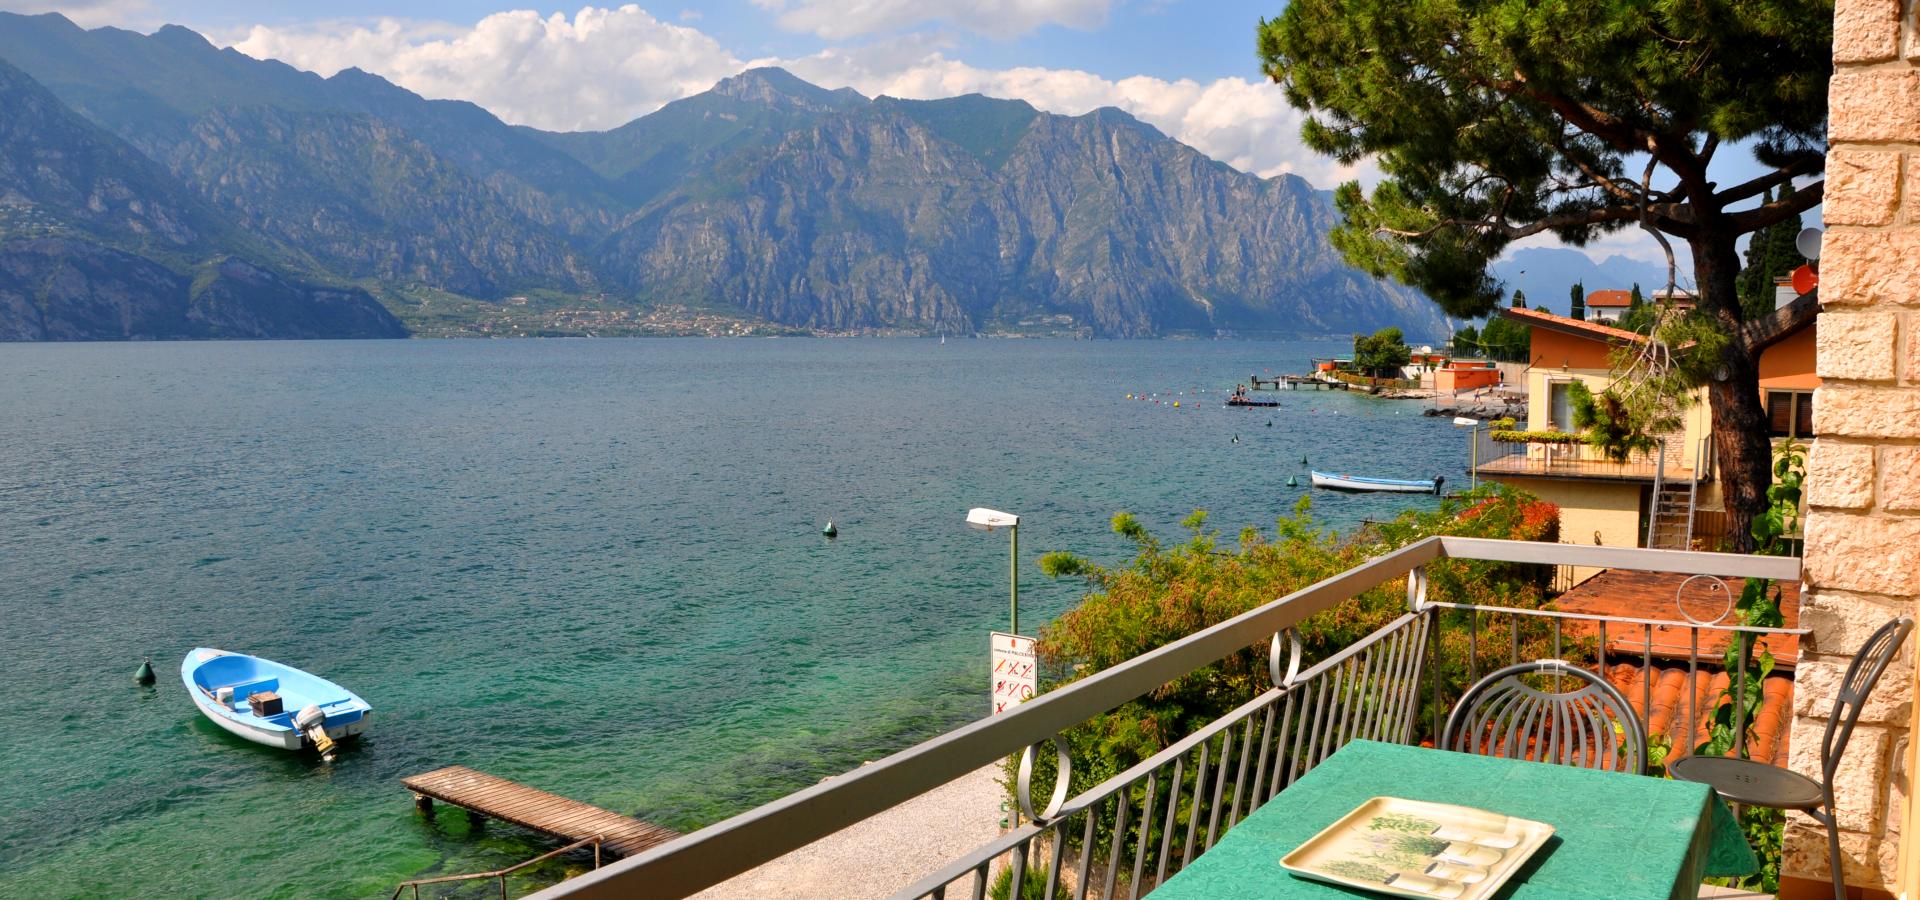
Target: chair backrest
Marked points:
1862	674
1590	725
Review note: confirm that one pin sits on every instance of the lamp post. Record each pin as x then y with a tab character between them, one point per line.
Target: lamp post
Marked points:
982	519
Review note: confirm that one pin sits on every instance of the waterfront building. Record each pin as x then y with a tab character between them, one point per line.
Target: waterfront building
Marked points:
1668	498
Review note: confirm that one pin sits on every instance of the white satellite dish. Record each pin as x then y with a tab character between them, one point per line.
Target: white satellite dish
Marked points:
1808	243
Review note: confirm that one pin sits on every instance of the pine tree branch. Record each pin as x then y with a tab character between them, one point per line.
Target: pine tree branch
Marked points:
1805	165
1779	210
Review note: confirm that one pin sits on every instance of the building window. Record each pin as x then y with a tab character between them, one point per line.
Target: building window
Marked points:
1560	405
1790	413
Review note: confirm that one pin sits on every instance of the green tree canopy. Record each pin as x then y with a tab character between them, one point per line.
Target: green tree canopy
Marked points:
1381	353
1577	301
1496	120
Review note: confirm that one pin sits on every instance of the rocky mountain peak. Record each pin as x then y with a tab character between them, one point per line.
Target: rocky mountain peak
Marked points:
778	87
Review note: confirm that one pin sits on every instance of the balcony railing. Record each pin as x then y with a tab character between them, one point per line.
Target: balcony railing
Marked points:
1544	459
1162	813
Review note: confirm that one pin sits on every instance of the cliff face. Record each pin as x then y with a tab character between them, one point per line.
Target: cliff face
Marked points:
58	289
766	194
874	217
97	242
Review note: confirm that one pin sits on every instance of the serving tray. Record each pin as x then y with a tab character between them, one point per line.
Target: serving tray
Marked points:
1412	848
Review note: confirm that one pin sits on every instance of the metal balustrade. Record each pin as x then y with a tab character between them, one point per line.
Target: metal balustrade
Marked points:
1167	810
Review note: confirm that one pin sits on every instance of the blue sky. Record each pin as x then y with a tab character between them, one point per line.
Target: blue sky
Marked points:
1185	66
1200	39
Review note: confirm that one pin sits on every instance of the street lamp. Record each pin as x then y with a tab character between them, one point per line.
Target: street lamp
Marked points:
980	518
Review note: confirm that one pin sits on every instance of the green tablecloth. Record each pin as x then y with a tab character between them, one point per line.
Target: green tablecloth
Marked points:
1617	837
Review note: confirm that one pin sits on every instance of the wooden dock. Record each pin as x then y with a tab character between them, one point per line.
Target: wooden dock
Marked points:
534	809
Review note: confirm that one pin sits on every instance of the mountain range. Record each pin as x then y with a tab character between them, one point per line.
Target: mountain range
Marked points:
159	186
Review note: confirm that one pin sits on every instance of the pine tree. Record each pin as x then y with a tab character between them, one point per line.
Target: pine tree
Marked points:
1524	126
1577	301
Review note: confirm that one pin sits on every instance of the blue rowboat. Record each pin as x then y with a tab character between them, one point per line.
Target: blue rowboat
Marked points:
1356	484
314	712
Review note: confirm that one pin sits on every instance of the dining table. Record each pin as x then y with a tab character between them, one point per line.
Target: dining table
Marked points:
1617	835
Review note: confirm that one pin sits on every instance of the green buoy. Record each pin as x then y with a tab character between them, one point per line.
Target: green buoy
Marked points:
830	531
144	674
1293	481
1303	460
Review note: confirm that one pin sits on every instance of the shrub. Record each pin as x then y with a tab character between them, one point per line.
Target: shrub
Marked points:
1165	593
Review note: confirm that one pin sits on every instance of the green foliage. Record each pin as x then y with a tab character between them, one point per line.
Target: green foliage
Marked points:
1771	253
1759	606
1577	301
1508	436
1496	120
1167	592
1033	885
1610	423
1502	339
1639	318
1382	353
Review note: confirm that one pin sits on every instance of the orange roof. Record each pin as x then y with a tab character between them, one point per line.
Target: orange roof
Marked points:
1684	719
1650	595
1575	327
1620	299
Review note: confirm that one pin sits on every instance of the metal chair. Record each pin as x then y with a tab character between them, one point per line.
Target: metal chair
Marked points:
1758	784
1591	726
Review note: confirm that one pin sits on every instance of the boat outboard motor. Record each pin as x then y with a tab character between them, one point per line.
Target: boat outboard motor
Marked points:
1439	482
313	723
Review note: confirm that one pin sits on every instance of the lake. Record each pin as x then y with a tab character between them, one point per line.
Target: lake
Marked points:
592	566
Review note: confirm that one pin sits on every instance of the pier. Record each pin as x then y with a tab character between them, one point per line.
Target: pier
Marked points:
494	797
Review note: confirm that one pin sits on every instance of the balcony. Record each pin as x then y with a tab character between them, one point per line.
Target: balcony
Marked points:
1141	826
1541	459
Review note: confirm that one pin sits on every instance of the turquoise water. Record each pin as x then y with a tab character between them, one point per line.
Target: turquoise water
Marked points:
593	566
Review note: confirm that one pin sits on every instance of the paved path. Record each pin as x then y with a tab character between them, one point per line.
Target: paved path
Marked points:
885	853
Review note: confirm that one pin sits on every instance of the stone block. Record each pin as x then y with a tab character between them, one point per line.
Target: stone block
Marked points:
1841	622
1856	345
1866	861
1840	475
1900	479
1816	681
1911	338
1863	187
1865	30
1874	105
1869	267
1861	553
1867	412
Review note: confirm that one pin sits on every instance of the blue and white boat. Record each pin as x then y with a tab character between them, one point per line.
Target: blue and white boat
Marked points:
1357	484
314	712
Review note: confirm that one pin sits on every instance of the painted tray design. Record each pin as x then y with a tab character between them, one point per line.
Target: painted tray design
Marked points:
1411	848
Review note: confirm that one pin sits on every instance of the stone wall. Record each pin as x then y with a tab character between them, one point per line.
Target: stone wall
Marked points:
1863	522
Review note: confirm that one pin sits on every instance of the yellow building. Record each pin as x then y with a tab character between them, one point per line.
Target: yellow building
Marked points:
1666	498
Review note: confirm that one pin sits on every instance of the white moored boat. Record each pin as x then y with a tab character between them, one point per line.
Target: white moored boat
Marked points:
272	703
1357	484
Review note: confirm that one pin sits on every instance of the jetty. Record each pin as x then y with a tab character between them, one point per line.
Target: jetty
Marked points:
494	797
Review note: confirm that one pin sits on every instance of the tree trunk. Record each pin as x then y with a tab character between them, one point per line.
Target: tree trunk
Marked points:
1742	450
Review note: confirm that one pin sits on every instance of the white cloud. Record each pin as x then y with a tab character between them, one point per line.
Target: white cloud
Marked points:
996	18
602	68
1246	124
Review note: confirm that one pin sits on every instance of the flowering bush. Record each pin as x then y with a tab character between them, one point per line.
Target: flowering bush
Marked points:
1167	592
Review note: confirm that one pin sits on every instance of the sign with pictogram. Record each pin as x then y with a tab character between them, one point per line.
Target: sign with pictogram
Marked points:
1015	676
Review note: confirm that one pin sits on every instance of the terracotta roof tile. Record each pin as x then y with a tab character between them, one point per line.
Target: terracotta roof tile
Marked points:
1572	326
1610	299
1651	595
1685	719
